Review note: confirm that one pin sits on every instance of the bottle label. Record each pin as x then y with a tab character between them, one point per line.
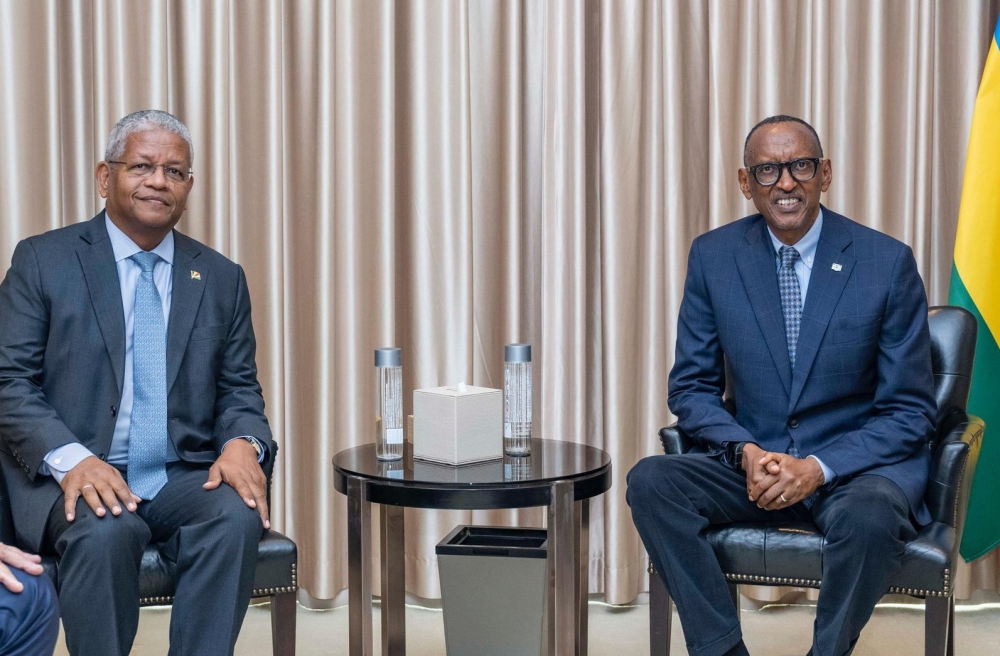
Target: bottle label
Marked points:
394	436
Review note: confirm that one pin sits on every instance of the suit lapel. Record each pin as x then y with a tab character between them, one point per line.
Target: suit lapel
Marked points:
97	259
185	299
758	269
831	270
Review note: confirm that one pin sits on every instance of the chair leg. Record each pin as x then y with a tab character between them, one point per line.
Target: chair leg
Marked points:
951	626
661	610
734	592
939	626
283	624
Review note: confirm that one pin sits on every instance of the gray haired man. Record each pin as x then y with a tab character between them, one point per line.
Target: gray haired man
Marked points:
130	412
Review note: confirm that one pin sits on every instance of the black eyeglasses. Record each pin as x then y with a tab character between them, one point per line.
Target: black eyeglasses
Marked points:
801	170
143	170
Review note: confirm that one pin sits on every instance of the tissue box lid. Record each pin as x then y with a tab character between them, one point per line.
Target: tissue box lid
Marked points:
452	390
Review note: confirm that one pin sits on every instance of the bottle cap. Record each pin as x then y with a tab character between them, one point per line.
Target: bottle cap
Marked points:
388	357
517	353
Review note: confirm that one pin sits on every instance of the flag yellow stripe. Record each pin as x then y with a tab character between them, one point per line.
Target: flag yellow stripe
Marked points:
978	240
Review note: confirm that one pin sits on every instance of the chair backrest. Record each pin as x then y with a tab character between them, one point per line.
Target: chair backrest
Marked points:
956	440
953	348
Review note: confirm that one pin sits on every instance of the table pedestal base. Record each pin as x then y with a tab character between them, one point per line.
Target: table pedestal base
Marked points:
567	564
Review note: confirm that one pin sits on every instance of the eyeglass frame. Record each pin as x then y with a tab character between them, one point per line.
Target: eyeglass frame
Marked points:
190	171
785	166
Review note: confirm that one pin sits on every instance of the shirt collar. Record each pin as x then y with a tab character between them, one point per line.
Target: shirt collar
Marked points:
124	247
805	246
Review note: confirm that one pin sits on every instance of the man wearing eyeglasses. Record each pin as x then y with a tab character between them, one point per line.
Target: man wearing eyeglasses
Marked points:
130	411
816	327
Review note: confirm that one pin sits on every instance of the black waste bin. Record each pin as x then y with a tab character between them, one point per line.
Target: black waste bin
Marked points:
493	590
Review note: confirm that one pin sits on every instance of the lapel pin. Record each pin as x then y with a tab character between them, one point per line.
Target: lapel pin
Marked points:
197	276
834	266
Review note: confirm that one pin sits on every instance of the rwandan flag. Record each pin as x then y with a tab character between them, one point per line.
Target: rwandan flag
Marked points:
975	285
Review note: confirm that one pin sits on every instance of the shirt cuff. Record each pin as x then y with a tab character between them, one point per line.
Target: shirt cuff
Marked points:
827	472
60	460
263	447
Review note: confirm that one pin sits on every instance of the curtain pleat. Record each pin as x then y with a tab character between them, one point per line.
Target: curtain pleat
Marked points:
451	176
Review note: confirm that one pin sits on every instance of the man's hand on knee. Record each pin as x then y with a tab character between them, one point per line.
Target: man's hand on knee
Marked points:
100	485
238	467
788	481
14	557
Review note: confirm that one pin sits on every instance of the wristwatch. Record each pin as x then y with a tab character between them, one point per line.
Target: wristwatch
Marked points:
734	455
256	445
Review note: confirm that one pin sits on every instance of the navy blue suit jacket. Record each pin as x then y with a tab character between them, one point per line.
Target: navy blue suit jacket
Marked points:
62	359
861	396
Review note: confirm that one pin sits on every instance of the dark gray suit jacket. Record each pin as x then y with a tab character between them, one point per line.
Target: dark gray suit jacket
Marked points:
62	359
861	394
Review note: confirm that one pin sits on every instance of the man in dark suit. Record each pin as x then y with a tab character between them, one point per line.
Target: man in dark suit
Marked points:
129	405
817	326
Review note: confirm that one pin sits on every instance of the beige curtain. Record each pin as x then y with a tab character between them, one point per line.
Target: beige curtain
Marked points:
449	176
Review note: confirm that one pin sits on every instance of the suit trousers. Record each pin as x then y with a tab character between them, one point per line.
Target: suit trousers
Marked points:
209	537
29	620
674	498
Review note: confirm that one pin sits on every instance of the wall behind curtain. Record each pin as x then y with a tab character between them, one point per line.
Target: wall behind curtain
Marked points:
450	176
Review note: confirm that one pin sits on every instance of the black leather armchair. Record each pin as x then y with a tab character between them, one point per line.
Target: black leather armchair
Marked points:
791	554
275	576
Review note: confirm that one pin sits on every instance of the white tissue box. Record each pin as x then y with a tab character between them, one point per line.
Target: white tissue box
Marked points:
457	428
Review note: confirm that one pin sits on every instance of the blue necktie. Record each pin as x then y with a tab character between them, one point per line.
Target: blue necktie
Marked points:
147	434
791	298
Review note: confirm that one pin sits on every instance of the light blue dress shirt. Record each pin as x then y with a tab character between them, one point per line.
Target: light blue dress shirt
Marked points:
62	459
803	270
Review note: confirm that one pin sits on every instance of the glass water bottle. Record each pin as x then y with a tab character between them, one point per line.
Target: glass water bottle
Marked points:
388	403
517	399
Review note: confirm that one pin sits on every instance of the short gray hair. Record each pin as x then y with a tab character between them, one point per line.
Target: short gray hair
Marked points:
146	119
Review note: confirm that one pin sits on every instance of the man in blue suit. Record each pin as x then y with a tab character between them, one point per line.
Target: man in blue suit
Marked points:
29	612
816	326
130	411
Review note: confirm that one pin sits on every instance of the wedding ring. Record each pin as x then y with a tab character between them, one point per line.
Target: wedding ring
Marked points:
783	499
86	486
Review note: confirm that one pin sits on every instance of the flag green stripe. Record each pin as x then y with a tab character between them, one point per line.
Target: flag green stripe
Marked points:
982	524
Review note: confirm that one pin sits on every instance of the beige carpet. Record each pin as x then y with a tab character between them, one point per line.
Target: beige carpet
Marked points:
614	631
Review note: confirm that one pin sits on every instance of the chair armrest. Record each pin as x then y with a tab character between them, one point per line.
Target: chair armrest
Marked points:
675	440
952	469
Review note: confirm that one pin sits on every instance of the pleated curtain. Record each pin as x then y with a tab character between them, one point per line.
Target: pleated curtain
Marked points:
449	176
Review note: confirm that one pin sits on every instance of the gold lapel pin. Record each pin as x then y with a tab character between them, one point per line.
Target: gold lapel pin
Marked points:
197	276
835	267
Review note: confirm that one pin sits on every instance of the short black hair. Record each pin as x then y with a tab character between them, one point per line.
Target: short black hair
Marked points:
771	120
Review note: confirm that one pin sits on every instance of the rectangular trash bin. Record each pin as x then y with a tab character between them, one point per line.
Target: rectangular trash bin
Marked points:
493	590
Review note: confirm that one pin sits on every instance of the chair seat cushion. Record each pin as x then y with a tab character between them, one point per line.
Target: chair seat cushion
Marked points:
276	570
792	554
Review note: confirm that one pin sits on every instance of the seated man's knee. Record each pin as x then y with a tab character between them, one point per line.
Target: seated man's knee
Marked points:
111	534
644	479
31	616
874	528
42	593
241	522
